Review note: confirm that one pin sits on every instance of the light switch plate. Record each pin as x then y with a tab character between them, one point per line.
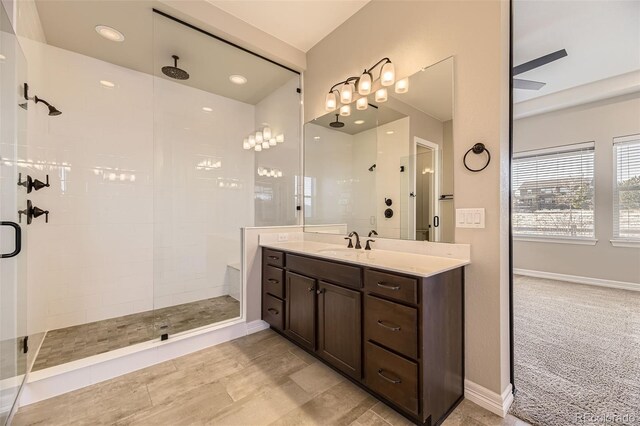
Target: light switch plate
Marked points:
469	218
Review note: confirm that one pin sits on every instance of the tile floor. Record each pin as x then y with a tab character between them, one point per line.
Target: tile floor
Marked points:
261	379
80	341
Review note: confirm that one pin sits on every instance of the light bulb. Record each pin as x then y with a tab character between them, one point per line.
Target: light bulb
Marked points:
346	93
246	144
272	142
345	110
364	84
362	103
402	86
266	133
259	137
381	95
252	141
280	138
388	74
330	103
258	147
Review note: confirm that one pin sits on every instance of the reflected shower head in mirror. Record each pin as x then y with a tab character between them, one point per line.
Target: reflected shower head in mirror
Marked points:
175	72
53	111
337	124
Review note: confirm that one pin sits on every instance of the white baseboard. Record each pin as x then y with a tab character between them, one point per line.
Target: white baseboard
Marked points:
54	381
578	279
257	325
487	399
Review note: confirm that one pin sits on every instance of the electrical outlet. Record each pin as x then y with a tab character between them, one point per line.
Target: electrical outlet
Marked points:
283	237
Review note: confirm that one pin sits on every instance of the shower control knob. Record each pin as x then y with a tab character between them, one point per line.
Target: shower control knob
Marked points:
33	212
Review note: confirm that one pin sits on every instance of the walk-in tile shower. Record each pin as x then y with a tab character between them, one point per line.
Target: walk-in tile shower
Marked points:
169	141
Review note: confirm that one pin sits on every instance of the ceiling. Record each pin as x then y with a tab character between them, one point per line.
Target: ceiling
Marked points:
300	23
602	39
151	39
372	117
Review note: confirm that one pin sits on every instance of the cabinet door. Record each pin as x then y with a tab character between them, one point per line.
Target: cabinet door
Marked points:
339	328
301	312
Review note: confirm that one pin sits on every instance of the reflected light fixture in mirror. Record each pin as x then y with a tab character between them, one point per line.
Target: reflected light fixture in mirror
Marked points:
252	141
280	138
345	110
362	104
245	144
110	33
259	138
266	133
381	95
402	86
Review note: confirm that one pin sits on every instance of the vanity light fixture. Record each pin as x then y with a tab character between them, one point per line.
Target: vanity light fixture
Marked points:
262	139
273	142
381	95
363	84
345	110
245	144
266	133
252	141
258	147
280	138
110	33
362	104
259	138
402	86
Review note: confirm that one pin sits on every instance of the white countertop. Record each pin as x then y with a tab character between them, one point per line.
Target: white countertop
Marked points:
395	261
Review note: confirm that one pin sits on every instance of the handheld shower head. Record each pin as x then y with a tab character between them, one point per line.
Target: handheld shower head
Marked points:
175	72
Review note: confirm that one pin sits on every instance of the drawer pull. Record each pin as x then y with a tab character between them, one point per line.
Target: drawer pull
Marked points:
388	379
387	286
274	257
388	327
273	280
273	311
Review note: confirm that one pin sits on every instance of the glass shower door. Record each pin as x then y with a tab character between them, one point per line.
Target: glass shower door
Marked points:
13	340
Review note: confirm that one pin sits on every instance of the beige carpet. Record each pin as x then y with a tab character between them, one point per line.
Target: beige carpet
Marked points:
577	354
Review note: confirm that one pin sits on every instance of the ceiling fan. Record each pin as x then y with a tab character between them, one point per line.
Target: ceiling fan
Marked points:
519	83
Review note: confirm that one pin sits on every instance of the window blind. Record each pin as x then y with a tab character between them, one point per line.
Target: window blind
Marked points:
626	191
553	192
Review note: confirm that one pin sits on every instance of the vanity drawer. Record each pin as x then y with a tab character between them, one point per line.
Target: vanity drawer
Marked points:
273	311
329	271
273	281
272	257
392	325
392	377
391	285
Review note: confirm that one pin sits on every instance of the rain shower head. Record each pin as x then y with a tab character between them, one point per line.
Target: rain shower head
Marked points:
337	124
174	71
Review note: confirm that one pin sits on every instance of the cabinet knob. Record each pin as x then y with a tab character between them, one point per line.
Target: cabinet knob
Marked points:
310	289
320	291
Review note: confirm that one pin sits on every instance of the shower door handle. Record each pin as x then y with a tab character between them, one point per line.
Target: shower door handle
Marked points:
18	239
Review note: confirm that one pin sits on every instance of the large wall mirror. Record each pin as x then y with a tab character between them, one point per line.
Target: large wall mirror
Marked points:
387	168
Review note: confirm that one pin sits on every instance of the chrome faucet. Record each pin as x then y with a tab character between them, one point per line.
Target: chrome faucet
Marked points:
355	234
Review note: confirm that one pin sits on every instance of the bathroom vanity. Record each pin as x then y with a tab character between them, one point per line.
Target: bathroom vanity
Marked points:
392	322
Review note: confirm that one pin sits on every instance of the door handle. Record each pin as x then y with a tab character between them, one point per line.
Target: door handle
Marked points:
18	238
436	221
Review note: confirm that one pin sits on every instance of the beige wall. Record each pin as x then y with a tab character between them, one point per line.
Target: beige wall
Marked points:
415	35
599	122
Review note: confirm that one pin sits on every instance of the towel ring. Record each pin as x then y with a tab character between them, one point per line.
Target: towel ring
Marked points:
478	148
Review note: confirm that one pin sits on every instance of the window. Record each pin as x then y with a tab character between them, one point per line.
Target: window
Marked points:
553	192
626	191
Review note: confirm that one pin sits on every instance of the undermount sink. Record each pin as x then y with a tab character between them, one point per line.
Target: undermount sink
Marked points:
339	252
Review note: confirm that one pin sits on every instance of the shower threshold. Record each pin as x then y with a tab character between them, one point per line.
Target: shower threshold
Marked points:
81	341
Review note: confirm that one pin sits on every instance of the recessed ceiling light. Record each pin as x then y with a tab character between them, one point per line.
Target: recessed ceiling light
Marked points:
207	109
237	79
358	122
109	33
107	83
390	132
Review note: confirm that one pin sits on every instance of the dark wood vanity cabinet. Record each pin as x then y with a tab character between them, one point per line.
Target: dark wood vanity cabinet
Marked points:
398	336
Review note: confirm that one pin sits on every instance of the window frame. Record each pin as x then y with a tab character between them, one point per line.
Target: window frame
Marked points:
558	239
616	239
